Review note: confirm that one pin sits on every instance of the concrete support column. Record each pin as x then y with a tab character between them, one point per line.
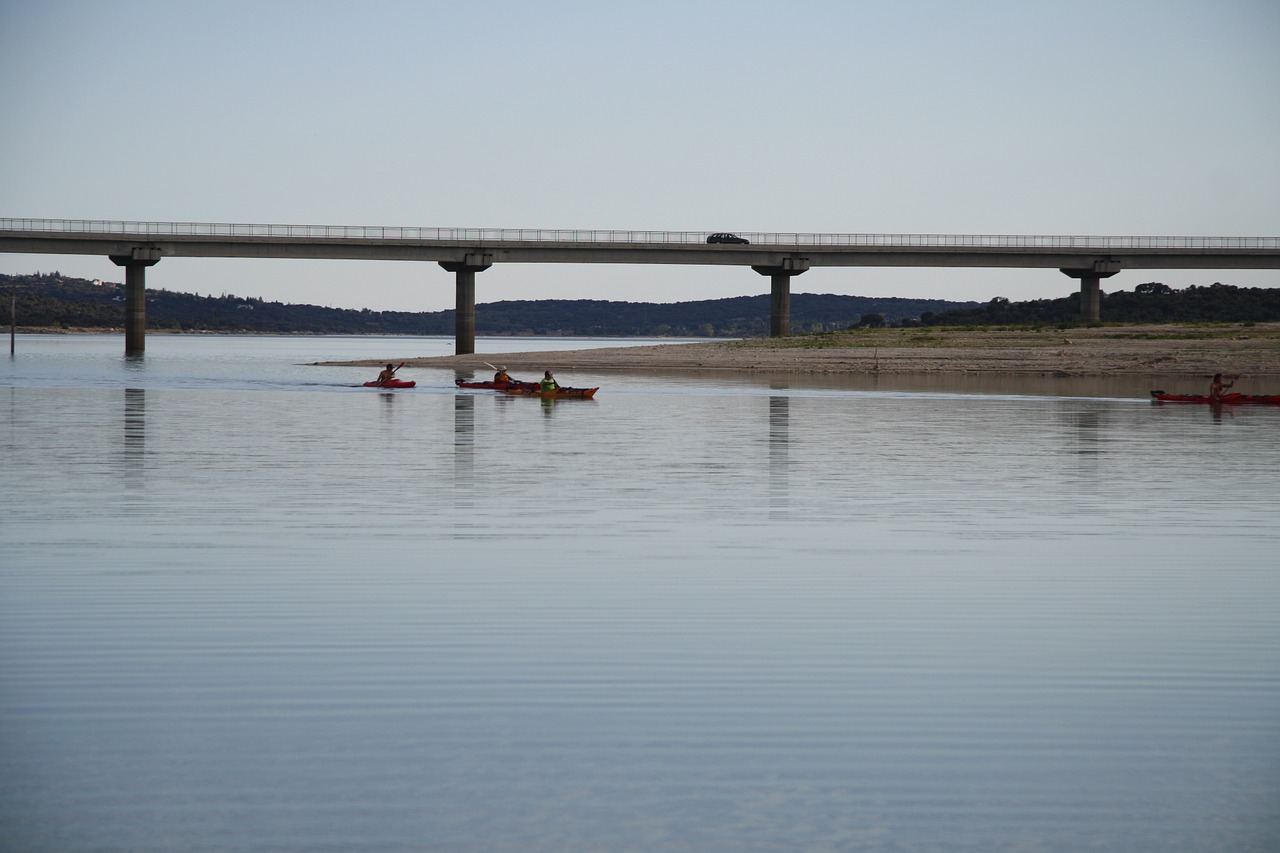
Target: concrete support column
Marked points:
780	292
135	295
779	305
464	320
135	308
1090	289
464	323
1090	298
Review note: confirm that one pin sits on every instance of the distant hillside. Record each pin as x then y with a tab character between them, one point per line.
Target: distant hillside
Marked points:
1151	302
738	316
54	301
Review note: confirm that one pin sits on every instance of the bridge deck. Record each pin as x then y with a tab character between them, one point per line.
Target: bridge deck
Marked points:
228	240
466	251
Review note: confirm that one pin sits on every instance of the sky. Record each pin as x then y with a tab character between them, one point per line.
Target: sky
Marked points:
1093	117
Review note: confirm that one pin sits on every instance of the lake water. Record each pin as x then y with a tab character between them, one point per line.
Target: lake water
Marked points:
246	604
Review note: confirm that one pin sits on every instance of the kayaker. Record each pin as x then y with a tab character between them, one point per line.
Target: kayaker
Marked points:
1217	387
501	378
387	375
548	382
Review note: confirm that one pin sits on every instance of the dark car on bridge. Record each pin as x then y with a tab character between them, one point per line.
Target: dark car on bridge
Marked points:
725	237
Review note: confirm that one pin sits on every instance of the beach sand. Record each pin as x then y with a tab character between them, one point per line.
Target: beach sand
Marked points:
1192	351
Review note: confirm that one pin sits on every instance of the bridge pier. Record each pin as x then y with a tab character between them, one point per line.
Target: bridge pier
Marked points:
780	292
1090	289
135	295
464	323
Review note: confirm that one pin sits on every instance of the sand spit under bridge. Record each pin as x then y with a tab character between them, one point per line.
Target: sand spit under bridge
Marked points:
467	251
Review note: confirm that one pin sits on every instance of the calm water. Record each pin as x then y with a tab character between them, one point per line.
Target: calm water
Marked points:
245	604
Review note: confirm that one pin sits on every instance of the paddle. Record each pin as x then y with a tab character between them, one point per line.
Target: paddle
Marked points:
497	369
503	369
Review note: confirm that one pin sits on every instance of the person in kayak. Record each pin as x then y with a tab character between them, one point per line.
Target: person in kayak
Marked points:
1217	387
548	382
501	378
387	375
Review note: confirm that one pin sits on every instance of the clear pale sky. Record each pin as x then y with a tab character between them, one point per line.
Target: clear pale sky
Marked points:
1117	117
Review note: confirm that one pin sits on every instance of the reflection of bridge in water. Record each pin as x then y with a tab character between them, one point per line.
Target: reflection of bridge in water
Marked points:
779	452
467	251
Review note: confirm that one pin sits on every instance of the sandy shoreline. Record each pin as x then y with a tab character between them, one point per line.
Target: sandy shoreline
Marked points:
1164	350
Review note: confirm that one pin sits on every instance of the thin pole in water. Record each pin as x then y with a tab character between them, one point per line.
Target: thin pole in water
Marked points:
13	320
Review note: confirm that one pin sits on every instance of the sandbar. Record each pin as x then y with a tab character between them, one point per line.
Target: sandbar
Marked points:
1192	350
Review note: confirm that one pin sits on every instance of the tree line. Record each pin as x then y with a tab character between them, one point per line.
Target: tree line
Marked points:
53	301
1150	302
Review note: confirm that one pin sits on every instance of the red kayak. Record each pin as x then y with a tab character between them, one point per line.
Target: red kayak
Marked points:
1225	399
494	386
391	383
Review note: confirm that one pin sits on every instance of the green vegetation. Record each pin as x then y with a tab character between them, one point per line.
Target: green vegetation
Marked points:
52	301
1151	302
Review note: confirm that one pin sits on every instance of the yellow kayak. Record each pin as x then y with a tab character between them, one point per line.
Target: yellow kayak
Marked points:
557	394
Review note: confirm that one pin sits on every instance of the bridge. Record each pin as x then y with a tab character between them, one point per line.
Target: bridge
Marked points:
467	251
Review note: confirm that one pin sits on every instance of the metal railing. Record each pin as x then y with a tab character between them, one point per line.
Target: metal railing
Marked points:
212	230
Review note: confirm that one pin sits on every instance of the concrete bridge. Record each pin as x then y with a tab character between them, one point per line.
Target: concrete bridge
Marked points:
467	251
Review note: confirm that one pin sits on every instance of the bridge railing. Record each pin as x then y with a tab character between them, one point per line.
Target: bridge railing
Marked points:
215	230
